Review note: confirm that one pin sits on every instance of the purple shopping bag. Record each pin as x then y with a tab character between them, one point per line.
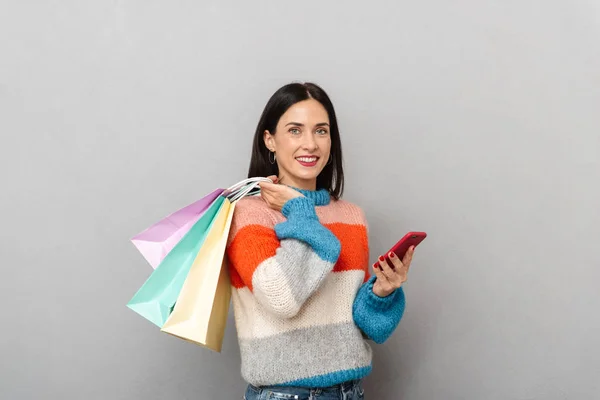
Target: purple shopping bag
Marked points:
159	239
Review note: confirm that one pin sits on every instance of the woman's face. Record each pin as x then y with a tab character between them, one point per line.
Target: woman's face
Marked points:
301	143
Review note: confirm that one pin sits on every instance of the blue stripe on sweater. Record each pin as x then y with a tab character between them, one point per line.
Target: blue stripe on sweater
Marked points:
303	224
377	316
333	378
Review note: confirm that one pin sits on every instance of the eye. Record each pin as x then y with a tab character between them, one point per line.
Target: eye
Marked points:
322	131
294	131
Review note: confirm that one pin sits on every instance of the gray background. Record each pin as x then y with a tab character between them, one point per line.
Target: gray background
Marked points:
477	121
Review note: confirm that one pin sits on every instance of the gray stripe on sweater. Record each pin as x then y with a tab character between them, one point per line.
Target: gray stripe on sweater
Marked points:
284	282
303	353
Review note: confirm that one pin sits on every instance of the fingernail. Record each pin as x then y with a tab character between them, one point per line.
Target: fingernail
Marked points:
392	255
375	265
381	258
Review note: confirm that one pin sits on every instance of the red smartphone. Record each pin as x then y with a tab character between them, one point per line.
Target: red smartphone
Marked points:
400	248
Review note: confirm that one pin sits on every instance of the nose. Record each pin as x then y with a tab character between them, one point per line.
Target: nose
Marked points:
309	143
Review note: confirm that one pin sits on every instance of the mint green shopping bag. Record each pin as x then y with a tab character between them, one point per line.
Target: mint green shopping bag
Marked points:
157	296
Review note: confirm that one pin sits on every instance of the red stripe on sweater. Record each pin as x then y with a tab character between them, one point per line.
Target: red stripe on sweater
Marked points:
254	244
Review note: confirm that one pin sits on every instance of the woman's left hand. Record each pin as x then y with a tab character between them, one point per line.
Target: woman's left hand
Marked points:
388	279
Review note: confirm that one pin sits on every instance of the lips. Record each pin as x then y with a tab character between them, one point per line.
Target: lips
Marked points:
308	161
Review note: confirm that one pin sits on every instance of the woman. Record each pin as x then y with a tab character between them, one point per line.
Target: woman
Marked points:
303	299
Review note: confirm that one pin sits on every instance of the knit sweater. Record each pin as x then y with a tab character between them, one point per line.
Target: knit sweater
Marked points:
303	299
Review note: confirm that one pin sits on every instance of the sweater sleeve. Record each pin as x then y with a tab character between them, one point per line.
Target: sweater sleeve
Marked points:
282	264
377	317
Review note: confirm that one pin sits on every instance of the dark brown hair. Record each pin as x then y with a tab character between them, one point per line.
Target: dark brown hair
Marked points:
332	176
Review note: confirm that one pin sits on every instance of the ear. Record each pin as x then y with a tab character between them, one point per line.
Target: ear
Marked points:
269	141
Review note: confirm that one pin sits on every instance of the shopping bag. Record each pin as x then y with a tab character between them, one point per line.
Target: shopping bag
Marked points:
157	296
200	314
158	240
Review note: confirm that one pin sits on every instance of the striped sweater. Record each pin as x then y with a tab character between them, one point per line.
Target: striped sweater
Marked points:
302	295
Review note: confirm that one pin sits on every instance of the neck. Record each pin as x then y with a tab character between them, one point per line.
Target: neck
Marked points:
310	185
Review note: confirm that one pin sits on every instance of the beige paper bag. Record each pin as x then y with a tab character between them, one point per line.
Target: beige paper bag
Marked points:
200	313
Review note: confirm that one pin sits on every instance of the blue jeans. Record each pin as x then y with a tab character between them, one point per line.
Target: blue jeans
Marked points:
351	390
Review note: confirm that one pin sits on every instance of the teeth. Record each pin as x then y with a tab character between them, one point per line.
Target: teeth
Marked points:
307	159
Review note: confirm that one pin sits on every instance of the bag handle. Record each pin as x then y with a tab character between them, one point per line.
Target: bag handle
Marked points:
244	182
244	192
244	188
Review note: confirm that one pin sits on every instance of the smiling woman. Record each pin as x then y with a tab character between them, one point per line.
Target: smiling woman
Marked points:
297	139
304	301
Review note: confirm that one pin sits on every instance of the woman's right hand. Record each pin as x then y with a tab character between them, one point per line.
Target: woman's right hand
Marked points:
276	195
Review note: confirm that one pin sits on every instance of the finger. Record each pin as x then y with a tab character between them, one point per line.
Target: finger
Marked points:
395	261
273	187
273	178
378	272
399	270
383	280
385	268
408	257
266	186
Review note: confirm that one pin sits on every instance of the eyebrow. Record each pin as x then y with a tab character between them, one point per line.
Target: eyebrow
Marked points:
299	124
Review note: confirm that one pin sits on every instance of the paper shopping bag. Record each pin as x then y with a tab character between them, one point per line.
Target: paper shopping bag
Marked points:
200	314
159	239
157	296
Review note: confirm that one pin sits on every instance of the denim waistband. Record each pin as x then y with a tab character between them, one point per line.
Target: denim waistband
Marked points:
344	386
